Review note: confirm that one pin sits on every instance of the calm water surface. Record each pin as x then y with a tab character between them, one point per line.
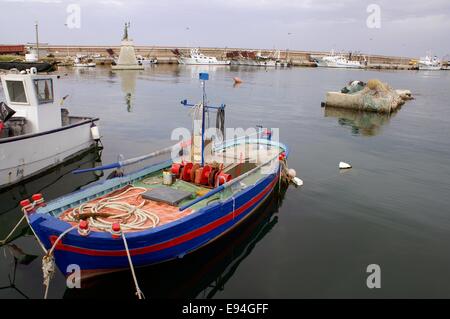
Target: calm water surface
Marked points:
391	209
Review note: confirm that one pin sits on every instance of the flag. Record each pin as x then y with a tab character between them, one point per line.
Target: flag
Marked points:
5	112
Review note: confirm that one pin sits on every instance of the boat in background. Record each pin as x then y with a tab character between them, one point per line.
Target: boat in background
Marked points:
195	57
338	61
429	63
81	63
36	133
146	61
250	58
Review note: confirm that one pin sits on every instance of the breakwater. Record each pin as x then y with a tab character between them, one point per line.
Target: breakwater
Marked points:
164	54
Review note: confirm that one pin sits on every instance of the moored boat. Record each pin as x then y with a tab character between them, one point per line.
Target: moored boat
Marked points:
23	66
250	58
338	61
429	63
36	133
162	211
80	63
146	61
195	57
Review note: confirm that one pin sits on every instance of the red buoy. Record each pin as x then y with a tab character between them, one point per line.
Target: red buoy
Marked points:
83	224
116	227
36	197
25	203
83	228
115	230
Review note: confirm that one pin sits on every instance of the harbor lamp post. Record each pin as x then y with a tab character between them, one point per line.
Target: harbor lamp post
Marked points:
36	26
289	45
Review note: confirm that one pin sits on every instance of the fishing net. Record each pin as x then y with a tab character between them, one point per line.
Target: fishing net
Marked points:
375	96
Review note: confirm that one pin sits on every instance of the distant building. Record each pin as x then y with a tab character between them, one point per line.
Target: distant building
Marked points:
18	49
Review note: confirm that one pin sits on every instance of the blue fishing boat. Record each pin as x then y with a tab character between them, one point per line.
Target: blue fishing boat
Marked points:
161	211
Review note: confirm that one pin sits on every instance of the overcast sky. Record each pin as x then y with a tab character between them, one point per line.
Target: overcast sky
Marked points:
408	27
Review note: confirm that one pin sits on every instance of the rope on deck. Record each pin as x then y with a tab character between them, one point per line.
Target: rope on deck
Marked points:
132	218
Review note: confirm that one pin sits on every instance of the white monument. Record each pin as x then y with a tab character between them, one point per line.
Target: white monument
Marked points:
127	58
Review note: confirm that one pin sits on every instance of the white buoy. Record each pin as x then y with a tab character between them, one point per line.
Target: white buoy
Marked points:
343	165
95	133
297	181
292	173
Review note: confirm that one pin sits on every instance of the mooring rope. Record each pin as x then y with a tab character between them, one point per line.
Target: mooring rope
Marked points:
139	293
4	241
48	261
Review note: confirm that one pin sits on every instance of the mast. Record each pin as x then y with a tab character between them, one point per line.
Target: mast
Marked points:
205	108
203	77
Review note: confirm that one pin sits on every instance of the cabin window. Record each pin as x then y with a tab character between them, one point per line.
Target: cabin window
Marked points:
44	90
16	92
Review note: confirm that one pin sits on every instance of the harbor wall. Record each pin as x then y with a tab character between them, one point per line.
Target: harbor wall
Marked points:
165	55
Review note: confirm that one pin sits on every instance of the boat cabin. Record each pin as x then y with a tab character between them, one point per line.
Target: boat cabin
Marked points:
35	102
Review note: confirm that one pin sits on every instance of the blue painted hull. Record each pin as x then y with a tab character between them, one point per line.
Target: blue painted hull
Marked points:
100	253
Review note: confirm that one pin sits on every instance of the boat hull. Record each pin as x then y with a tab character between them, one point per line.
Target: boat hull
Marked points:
264	63
99	253
194	61
340	66
84	65
24	156
21	66
429	68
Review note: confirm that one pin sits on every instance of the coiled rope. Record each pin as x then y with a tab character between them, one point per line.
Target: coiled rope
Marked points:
132	218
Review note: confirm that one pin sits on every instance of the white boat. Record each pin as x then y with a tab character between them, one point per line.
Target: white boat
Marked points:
250	58
197	58
37	133
338	61
31	56
429	63
78	63
145	61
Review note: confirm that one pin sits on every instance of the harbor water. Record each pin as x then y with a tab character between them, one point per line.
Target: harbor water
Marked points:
392	209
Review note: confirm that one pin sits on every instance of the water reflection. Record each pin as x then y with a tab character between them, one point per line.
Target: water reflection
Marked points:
201	274
19	258
52	184
194	70
359	122
128	80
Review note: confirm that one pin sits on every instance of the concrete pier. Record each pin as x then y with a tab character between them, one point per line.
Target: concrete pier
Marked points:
165	55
